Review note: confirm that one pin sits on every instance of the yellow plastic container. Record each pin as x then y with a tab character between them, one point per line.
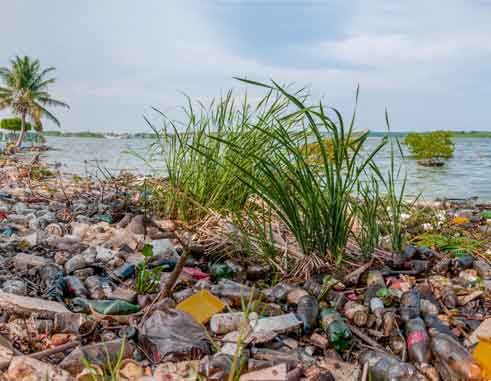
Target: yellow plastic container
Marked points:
201	306
460	220
482	355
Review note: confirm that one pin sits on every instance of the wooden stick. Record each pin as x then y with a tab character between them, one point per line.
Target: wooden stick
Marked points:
366	338
52	351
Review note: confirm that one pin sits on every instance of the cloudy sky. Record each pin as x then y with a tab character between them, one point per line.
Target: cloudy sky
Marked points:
428	62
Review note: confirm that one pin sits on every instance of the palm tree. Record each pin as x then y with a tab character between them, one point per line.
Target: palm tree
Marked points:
25	91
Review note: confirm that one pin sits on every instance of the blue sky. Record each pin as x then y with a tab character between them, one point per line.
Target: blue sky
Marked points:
428	62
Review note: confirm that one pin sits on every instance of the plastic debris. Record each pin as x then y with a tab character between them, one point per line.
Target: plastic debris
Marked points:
201	306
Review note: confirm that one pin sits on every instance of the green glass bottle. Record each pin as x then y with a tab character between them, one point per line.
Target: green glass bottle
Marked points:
338	333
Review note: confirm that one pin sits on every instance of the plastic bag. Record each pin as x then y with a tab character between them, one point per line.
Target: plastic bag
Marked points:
173	335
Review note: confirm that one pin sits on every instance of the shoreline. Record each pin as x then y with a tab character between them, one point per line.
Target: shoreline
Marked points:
95	235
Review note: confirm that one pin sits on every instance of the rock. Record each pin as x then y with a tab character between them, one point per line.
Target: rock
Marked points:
6	355
137	225
276	324
23	368
81	261
274	373
180	371
96	354
342	371
25	306
130	370
16	287
33	239
483	331
164	247
79	229
104	255
122	293
24	262
294	295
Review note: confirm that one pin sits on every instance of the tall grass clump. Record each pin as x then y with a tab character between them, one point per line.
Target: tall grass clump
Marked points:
367	211
206	179
314	200
394	201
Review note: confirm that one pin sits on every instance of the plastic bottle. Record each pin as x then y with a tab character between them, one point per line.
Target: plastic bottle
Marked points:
377	308
453	361
429	308
278	293
221	324
407	253
435	323
312	287
234	291
482	268
307	312
397	344
106	307
355	312
338	333
389	322
375	282
75	287
382	367
221	271
125	271
462	263
68	322
410	305
418	341
337	299
55	287
94	286
448	297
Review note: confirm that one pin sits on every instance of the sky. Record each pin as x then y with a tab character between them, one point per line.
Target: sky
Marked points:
427	62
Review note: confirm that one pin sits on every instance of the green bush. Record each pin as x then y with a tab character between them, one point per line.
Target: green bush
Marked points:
430	145
13	124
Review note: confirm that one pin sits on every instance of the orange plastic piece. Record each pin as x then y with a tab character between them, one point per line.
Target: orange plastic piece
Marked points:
460	220
482	355
201	306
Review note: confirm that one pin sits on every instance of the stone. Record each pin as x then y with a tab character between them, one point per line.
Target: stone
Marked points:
342	371
164	247
126	294
275	373
6	355
103	254
483	331
26	306
15	286
96	354
277	324
24	262
294	295
79	229
23	368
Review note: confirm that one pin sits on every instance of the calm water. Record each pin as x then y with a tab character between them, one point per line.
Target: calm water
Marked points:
467	174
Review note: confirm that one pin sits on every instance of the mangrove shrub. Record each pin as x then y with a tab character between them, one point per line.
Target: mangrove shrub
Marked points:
430	145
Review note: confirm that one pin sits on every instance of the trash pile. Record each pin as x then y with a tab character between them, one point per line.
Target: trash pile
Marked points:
93	289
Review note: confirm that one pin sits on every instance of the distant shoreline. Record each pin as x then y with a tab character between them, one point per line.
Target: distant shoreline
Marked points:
145	135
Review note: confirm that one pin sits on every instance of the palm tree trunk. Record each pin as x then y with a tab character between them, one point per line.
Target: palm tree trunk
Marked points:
22	131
